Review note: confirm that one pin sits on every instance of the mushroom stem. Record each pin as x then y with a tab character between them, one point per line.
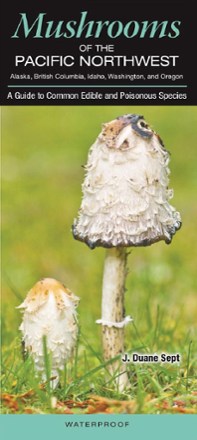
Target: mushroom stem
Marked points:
113	312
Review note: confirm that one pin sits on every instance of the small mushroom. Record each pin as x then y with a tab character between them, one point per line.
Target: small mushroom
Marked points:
125	203
50	311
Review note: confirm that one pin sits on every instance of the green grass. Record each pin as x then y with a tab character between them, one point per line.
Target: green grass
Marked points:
43	149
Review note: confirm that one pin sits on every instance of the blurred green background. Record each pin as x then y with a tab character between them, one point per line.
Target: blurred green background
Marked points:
43	150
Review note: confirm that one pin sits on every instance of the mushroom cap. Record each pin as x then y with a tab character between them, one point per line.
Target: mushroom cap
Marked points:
125	191
49	310
40	292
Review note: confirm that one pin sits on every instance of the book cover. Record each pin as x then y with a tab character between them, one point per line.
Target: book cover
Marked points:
99	186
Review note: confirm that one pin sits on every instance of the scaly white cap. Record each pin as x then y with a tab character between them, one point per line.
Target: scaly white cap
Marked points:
125	191
50	310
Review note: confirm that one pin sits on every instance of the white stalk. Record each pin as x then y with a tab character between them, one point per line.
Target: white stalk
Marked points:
113	313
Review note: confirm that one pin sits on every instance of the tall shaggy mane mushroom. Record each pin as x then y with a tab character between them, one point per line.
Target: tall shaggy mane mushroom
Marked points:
125	204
